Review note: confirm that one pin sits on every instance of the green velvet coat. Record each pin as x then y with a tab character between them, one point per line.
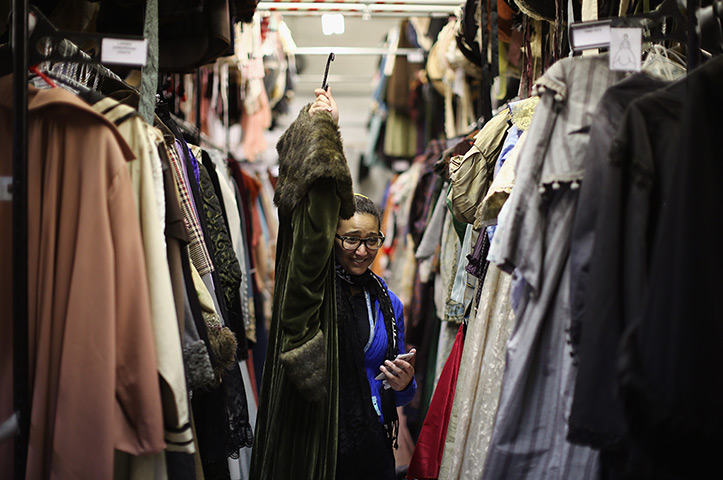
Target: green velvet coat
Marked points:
296	427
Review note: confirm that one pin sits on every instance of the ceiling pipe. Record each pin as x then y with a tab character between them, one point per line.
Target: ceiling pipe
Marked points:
358	8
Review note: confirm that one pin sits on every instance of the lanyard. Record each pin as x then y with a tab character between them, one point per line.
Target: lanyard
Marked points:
371	320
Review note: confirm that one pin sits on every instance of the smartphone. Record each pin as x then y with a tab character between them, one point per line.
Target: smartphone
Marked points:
405	356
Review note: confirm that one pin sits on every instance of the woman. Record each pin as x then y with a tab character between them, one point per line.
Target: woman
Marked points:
371	334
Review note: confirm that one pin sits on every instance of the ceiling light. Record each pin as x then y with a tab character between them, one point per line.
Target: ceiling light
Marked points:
332	23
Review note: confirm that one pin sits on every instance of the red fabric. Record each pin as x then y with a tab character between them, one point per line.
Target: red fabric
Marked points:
249	189
427	456
504	21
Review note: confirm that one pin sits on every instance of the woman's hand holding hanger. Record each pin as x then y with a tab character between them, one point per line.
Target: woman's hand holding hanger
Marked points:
325	103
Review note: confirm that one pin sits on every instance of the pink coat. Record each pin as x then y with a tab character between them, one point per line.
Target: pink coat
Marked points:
93	372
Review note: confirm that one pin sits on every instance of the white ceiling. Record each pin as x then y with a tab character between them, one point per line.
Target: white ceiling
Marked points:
348	73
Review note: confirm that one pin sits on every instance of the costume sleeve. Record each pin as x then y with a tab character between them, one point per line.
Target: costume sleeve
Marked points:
406	395
303	345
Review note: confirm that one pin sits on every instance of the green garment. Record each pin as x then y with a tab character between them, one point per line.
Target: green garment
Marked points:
297	424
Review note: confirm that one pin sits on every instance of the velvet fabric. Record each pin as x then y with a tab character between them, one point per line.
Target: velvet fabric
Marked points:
298	415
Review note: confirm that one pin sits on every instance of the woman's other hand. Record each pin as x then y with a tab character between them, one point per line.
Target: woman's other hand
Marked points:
325	103
399	373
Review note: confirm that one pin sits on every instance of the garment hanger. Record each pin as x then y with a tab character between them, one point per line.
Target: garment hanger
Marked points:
659	64
56	80
36	72
665	23
324	84
59	48
42	39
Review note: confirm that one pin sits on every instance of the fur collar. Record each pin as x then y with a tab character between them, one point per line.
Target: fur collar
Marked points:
311	149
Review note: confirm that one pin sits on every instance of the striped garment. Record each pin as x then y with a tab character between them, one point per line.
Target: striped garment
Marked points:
529	438
197	247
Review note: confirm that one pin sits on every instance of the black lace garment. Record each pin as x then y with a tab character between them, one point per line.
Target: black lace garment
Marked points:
222	424
220	413
225	261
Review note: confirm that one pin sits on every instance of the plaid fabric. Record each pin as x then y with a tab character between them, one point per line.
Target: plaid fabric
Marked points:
197	247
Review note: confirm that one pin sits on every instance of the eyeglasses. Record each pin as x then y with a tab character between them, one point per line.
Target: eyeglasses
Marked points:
352	243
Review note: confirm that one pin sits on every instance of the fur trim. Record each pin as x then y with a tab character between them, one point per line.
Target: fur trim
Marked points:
310	149
306	367
198	365
222	342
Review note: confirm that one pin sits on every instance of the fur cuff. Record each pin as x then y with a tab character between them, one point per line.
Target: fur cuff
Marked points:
306	367
198	365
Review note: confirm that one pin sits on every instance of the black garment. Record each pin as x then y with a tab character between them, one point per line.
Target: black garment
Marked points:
221	420
631	191
180	466
191	33
596	416
477	261
211	167
604	127
364	448
220	413
224	257
670	381
229	272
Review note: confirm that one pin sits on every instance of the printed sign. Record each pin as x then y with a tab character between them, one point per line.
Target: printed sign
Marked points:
586	35
626	49
124	52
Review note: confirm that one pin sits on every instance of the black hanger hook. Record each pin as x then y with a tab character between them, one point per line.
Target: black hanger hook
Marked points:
324	85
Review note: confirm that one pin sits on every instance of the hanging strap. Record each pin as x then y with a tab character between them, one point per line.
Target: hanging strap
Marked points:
371	320
484	45
149	73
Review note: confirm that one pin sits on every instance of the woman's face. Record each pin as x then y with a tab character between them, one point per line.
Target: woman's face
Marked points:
361	225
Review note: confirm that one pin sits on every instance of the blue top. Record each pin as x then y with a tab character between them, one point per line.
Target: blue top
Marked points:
374	355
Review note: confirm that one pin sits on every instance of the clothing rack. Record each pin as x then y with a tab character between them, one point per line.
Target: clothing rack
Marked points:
21	391
19	422
64	50
195	131
403	8
684	29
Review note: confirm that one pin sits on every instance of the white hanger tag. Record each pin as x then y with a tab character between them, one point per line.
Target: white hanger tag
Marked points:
626	49
124	51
